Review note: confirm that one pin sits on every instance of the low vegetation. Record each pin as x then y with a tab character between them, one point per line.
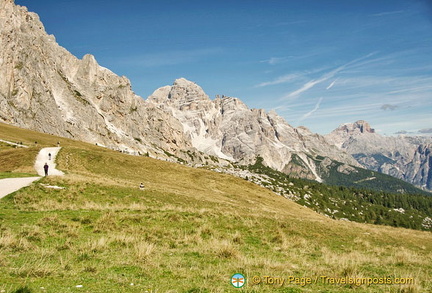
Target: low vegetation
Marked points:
360	204
190	230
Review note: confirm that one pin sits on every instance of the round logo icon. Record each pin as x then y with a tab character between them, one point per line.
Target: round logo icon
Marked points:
238	280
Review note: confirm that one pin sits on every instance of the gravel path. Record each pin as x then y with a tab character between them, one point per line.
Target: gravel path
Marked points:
43	157
14	144
10	185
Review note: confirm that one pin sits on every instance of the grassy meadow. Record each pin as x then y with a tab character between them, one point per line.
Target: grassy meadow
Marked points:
189	230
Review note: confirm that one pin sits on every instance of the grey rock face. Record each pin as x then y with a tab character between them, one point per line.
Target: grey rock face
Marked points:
403	157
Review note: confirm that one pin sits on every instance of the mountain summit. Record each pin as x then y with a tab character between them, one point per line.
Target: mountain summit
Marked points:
360	126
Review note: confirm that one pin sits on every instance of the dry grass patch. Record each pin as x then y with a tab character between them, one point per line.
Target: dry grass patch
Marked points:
18	160
347	262
403	256
124	240
32	233
143	250
224	249
98	245
107	222
14	242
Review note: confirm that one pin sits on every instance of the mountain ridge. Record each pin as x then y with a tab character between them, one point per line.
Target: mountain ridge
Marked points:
404	157
228	128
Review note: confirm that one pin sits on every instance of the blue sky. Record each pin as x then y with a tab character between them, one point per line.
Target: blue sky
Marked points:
317	63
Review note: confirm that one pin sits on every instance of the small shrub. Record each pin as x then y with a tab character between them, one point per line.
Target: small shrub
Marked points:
23	290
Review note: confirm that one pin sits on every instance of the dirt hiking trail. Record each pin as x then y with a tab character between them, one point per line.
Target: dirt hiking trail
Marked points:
9	185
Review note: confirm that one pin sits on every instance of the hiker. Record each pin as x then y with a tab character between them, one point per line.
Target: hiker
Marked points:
141	186
49	156
46	169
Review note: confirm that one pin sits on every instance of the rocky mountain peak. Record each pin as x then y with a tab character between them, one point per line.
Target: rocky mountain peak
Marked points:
358	127
349	131
182	95
233	104
183	82
17	18
187	91
363	127
89	61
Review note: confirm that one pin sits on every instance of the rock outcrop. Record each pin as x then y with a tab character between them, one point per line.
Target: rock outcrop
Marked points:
403	157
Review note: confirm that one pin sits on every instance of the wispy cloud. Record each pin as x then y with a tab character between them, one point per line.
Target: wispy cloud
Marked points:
387	13
425	130
345	110
317	106
279	80
390	107
288	23
310	84
290	77
167	58
402	132
275	60
331	85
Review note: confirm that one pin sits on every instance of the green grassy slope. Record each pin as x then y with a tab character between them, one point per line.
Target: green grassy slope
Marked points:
190	230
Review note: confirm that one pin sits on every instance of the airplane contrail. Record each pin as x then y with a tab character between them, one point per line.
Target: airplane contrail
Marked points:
331	85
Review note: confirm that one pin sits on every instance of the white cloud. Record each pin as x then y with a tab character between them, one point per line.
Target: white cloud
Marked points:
275	60
425	130
310	84
387	13
171	57
331	85
279	80
290	77
390	107
317	106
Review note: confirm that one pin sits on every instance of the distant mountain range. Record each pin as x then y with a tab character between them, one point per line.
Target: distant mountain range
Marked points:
45	88
404	157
